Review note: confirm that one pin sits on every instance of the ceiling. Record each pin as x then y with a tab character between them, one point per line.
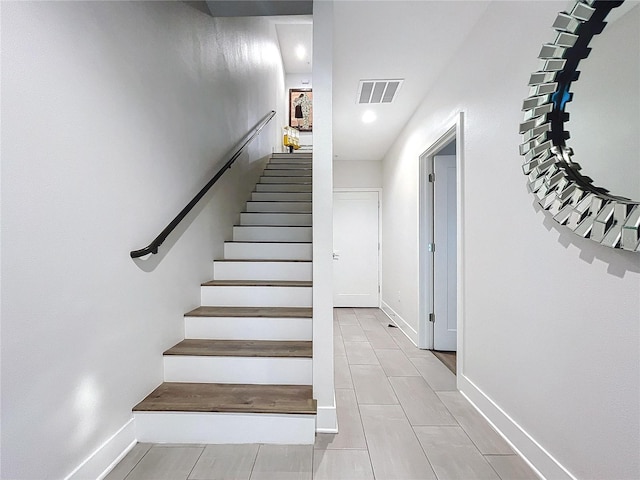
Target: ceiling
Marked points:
243	8
293	33
374	40
410	40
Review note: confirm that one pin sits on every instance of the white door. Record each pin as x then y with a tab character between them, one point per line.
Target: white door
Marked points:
444	261
355	249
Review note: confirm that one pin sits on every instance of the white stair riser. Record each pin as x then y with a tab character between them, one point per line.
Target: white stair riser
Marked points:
267	218
275	187
297	180
298	154
253	296
281	172
272	234
268	251
281	197
304	207
238	370
220	428
290	271
289	166
290	158
247	328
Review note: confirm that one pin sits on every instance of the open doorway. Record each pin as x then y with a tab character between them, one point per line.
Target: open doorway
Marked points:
439	245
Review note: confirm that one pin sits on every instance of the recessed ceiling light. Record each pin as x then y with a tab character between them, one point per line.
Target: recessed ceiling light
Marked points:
301	52
369	116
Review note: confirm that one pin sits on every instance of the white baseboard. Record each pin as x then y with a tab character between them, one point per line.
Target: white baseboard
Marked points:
107	456
542	462
327	418
400	322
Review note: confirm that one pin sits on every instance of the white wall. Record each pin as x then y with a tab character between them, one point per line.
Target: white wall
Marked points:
114	115
323	385
357	174
298	80
550	330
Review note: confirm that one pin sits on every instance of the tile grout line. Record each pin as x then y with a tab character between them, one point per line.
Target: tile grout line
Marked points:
491	466
137	463
196	462
364	433
404	411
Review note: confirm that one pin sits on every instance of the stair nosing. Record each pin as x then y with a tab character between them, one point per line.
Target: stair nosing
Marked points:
265	260
303	406
267	242
250	312
257	283
234	349
278	226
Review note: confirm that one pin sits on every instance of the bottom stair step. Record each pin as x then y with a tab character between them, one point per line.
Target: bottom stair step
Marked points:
222	413
222	397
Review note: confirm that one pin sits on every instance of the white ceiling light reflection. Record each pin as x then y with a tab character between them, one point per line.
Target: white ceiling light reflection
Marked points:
369	116
301	52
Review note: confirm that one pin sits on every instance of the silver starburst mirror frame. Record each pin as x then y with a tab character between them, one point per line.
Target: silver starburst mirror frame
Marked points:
554	176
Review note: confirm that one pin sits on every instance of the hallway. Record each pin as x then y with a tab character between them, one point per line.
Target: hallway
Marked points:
400	418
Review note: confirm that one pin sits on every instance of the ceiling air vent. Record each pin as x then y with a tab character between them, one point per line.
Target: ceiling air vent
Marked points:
378	91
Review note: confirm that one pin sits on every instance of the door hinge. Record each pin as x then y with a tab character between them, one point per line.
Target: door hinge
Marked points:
431	247
432	317
432	177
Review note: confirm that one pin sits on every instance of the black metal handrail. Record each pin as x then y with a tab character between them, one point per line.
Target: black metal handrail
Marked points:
153	246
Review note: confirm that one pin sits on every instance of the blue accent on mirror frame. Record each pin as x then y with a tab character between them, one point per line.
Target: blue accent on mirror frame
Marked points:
561	97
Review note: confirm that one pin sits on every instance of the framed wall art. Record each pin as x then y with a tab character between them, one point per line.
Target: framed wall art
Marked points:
301	109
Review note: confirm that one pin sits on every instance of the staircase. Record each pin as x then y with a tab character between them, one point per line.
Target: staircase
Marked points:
243	373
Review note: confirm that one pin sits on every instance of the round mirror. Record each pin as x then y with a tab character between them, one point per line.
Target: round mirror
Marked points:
588	117
604	112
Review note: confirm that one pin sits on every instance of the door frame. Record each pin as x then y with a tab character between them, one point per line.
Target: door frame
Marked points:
451	130
379	192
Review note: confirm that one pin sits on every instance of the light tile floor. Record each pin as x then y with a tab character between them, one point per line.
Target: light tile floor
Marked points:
399	414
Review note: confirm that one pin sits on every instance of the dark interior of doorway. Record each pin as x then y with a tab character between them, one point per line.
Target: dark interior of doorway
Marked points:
448	358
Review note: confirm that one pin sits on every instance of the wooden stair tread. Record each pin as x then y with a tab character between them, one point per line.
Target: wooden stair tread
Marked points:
223	260
256	283
280	213
254	312
221	397
242	348
277	226
268	242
